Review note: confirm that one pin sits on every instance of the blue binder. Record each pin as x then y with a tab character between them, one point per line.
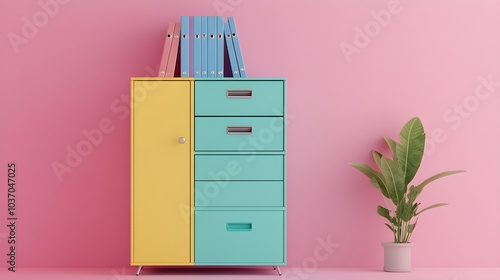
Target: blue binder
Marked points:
211	47
204	47
197	47
184	46
230	51
220	47
237	49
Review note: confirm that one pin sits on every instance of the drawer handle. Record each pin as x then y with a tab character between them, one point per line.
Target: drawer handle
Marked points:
239	226
239	93
239	130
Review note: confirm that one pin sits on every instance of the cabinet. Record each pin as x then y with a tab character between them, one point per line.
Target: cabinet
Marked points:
208	161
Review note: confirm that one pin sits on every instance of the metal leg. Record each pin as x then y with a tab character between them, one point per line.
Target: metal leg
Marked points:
278	269
138	271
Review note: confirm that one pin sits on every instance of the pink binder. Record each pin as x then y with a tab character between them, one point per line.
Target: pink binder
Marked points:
166	50
174	50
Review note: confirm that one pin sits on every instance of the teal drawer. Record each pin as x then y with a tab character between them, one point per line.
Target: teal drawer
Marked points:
238	167
239	98
239	237
239	193
238	134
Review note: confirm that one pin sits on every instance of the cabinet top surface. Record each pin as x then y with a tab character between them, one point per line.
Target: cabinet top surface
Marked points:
205	79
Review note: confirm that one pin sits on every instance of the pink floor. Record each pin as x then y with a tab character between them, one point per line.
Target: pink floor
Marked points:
231	273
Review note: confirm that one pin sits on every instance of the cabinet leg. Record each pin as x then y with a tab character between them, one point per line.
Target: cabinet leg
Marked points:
277	268
139	270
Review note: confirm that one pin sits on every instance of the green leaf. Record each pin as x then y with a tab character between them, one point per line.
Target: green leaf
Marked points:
390	227
415	208
376	157
400	209
411	150
411	227
364	168
404	210
407	211
392	145
375	182
384	212
414	192
376	178
394	179
409	231
430	207
438	176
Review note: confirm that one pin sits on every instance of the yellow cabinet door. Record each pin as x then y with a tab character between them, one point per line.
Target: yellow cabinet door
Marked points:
161	161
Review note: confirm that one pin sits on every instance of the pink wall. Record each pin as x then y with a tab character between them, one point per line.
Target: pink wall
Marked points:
72	71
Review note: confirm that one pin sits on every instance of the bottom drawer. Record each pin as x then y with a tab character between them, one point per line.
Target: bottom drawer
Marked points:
239	237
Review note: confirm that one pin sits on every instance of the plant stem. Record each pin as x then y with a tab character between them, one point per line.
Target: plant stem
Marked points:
407	232
404	233
401	232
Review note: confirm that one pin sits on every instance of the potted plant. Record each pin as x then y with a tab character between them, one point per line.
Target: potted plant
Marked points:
392	177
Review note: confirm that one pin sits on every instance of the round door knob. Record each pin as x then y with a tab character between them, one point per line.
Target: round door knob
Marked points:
182	140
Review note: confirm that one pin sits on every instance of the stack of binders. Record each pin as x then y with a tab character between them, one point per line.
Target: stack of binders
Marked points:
201	41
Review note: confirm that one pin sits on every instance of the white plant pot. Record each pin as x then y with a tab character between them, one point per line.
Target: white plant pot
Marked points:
397	257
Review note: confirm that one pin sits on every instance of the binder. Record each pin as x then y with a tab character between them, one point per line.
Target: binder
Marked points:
230	51
237	49
220	47
211	47
191	47
185	62
197	47
166	50
204	47
174	49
